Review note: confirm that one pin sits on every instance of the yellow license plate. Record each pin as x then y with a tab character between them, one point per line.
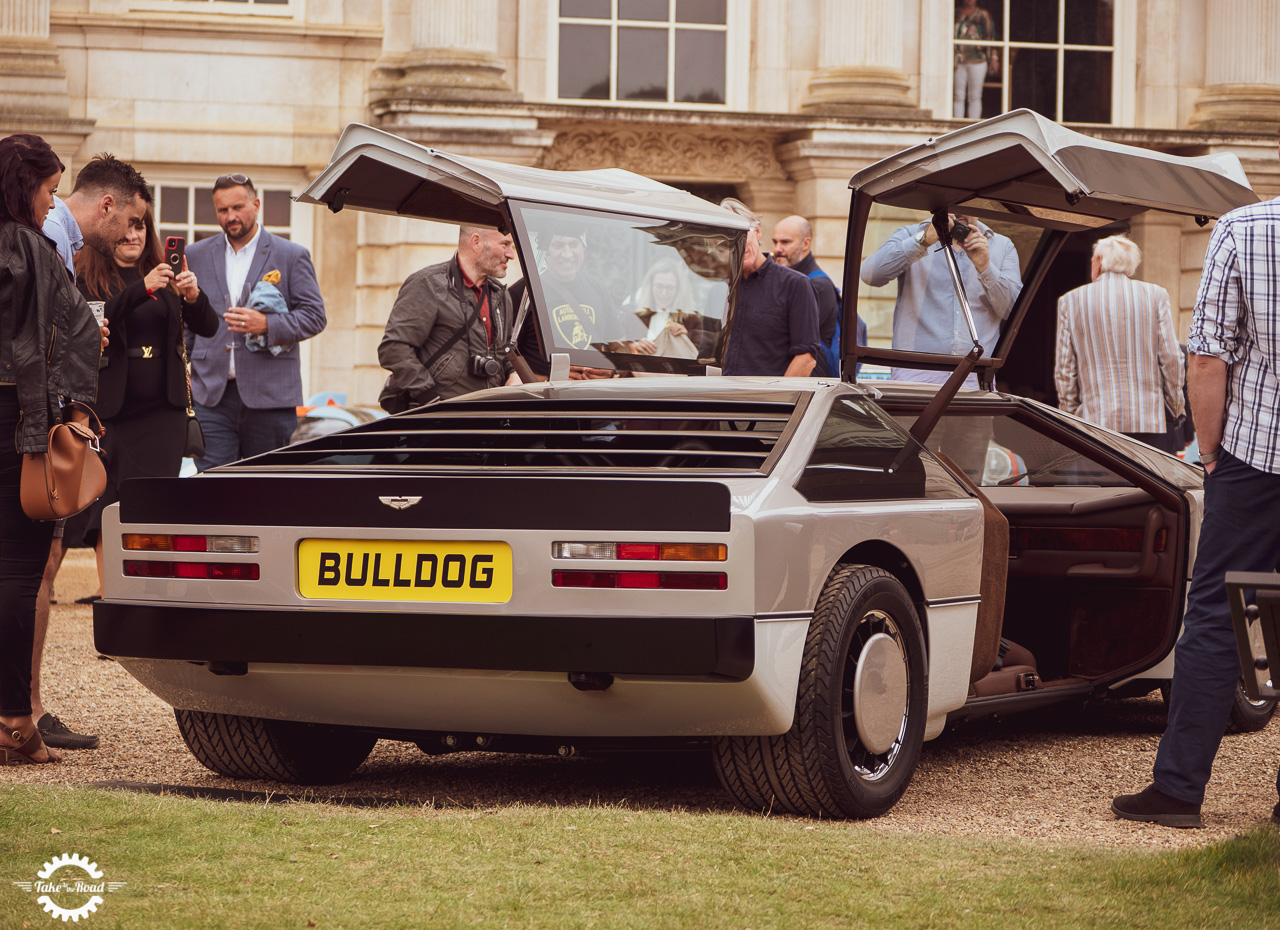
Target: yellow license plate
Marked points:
405	570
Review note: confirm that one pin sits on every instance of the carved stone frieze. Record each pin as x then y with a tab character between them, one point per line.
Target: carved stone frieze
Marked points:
666	153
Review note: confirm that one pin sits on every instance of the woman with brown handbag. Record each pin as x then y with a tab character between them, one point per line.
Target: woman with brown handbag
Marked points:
142	386
49	350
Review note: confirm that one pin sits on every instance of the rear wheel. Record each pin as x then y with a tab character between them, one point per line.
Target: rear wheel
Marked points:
276	750
860	709
1246	716
1249	716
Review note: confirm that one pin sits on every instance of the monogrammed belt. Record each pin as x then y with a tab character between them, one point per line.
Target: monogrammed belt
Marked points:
142	352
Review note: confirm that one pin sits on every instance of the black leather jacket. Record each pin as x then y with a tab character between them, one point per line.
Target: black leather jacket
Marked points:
49	341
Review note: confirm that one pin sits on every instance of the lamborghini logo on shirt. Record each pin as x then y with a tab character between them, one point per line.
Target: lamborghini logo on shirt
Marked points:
400	503
575	324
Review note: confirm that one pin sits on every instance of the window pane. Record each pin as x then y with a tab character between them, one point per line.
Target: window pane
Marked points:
205	214
166	231
701	11
699	66
642	64
584	62
1089	22
862	455
1033	21
276	208
173	205
585	9
657	10
1033	80
1088	75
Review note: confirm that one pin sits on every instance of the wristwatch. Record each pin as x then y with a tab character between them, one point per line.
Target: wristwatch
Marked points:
1208	458
920	237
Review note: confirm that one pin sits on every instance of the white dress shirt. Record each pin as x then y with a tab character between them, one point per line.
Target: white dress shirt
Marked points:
237	269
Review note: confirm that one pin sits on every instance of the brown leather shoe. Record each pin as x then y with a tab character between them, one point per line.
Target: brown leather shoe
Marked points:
1152	806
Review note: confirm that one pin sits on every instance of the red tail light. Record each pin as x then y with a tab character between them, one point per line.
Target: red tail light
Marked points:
679	581
228	571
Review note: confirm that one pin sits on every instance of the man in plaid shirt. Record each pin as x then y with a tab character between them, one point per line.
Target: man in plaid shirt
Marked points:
1233	379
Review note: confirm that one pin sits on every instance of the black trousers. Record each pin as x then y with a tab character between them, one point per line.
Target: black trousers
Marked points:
1240	532
24	549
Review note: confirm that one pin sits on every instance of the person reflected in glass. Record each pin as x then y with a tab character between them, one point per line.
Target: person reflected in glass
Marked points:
142	386
664	295
583	314
973	62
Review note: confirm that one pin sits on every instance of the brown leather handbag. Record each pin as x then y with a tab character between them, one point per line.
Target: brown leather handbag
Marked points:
70	476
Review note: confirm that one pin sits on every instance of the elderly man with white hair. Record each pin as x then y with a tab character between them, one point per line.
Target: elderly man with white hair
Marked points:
1118	361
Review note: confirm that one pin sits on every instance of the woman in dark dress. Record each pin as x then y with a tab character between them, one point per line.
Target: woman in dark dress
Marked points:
142	387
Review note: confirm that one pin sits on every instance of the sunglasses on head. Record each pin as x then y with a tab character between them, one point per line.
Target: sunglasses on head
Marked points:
236	178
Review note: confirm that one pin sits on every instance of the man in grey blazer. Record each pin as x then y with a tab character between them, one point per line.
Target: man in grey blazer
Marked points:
245	400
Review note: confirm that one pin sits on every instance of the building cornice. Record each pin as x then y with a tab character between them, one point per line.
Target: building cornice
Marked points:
206	26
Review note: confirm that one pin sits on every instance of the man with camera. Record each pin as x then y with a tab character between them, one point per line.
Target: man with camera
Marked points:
927	316
448	323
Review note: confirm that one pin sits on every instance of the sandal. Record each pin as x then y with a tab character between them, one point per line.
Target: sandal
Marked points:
24	753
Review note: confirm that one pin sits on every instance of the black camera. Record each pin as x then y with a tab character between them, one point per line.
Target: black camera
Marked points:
960	232
485	366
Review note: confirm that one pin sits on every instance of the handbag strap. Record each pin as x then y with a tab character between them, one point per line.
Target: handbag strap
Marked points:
186	370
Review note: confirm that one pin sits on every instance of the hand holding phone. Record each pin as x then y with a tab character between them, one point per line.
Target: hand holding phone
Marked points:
174	249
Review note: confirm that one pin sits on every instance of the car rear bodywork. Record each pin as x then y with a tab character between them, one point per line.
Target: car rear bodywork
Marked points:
804	574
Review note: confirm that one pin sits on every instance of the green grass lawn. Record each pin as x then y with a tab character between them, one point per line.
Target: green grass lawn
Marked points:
195	863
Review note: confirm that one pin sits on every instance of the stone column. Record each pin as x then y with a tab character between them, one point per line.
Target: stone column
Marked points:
860	62
452	56
1242	68
33	84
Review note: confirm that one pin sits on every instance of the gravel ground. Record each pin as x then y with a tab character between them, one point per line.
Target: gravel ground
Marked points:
1046	775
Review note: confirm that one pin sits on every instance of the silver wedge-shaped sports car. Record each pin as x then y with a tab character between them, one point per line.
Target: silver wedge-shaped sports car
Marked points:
809	576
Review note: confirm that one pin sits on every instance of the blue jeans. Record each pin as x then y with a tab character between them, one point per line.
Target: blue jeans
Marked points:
233	431
1241	532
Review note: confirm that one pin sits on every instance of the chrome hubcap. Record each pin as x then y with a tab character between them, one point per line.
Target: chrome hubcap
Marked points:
875	697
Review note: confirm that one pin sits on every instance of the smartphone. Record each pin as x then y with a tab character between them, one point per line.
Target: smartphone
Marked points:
174	247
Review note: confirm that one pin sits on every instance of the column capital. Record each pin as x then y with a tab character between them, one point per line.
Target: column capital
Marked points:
860	62
1253	108
452	57
1241	69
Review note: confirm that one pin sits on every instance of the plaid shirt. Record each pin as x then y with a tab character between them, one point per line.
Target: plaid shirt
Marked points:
1237	319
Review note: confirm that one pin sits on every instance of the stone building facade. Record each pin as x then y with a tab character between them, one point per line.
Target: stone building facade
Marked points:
778	101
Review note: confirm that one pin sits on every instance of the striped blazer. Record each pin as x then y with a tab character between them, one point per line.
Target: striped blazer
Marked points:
1118	362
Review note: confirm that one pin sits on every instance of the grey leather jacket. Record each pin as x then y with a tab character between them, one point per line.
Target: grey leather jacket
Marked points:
49	341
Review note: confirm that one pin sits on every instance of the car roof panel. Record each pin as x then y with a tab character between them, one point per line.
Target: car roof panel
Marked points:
1024	167
375	171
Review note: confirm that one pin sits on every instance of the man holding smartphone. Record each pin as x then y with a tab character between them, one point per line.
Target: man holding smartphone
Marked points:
246	401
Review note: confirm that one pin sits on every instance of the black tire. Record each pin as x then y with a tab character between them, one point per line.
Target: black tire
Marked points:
1249	716
275	750
821	767
1246	716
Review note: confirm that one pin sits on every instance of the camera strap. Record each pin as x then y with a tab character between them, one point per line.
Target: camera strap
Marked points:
461	331
446	345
